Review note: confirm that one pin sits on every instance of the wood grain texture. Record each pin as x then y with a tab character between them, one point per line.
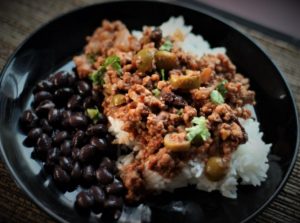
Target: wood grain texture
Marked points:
19	18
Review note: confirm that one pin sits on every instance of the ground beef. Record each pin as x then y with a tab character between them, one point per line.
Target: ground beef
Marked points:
152	107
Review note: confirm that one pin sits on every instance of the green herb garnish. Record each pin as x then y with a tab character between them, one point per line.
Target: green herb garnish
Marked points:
97	76
221	88
198	131
216	97
156	92
163	75
93	114
167	46
114	62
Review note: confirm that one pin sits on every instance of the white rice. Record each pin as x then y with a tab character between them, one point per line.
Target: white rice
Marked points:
249	162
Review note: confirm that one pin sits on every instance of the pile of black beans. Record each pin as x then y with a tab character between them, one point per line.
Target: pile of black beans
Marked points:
73	148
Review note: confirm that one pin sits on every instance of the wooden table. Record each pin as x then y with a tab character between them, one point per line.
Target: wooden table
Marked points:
18	18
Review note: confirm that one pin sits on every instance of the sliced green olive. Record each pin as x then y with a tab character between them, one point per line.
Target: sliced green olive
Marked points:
118	99
185	82
166	60
144	60
176	142
216	168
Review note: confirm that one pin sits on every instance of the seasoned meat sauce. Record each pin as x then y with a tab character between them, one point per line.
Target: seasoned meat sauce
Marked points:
154	99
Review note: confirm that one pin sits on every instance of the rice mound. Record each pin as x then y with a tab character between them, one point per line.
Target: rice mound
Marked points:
249	162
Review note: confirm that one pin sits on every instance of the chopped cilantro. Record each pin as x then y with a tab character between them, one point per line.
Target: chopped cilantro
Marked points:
163	75
198	131
156	92
114	62
221	88
93	114
216	97
97	76
167	46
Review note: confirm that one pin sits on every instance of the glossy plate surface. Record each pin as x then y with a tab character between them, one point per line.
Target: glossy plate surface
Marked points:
53	46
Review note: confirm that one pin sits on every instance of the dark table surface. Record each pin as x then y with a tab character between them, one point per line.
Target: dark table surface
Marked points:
18	18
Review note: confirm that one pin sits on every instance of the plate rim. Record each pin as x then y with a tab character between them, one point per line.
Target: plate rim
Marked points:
187	5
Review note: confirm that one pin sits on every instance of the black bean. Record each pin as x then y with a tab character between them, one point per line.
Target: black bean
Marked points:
78	138
113	202
44	142
42	96
74	102
62	95
40	153
78	121
60	79
102	119
59	137
124	150
52	159
109	137
53	154
54	116
75	154
46	127
44	85
28	120
71	78
88	103
115	187
65	118
32	136
156	35
66	163
84	200
61	176
66	147
76	171
49	166
104	176
83	88
97	95
44	107
99	143
88	174
95	130
98	194
173	99
108	164
87	153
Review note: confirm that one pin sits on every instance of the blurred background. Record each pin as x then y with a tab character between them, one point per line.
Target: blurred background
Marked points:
279	18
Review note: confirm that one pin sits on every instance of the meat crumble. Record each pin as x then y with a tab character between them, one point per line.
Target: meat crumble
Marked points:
173	105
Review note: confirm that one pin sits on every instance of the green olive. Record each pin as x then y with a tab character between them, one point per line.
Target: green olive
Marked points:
185	82
216	168
165	60
118	99
144	60
176	142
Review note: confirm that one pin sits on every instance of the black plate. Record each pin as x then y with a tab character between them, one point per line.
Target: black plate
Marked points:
53	46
